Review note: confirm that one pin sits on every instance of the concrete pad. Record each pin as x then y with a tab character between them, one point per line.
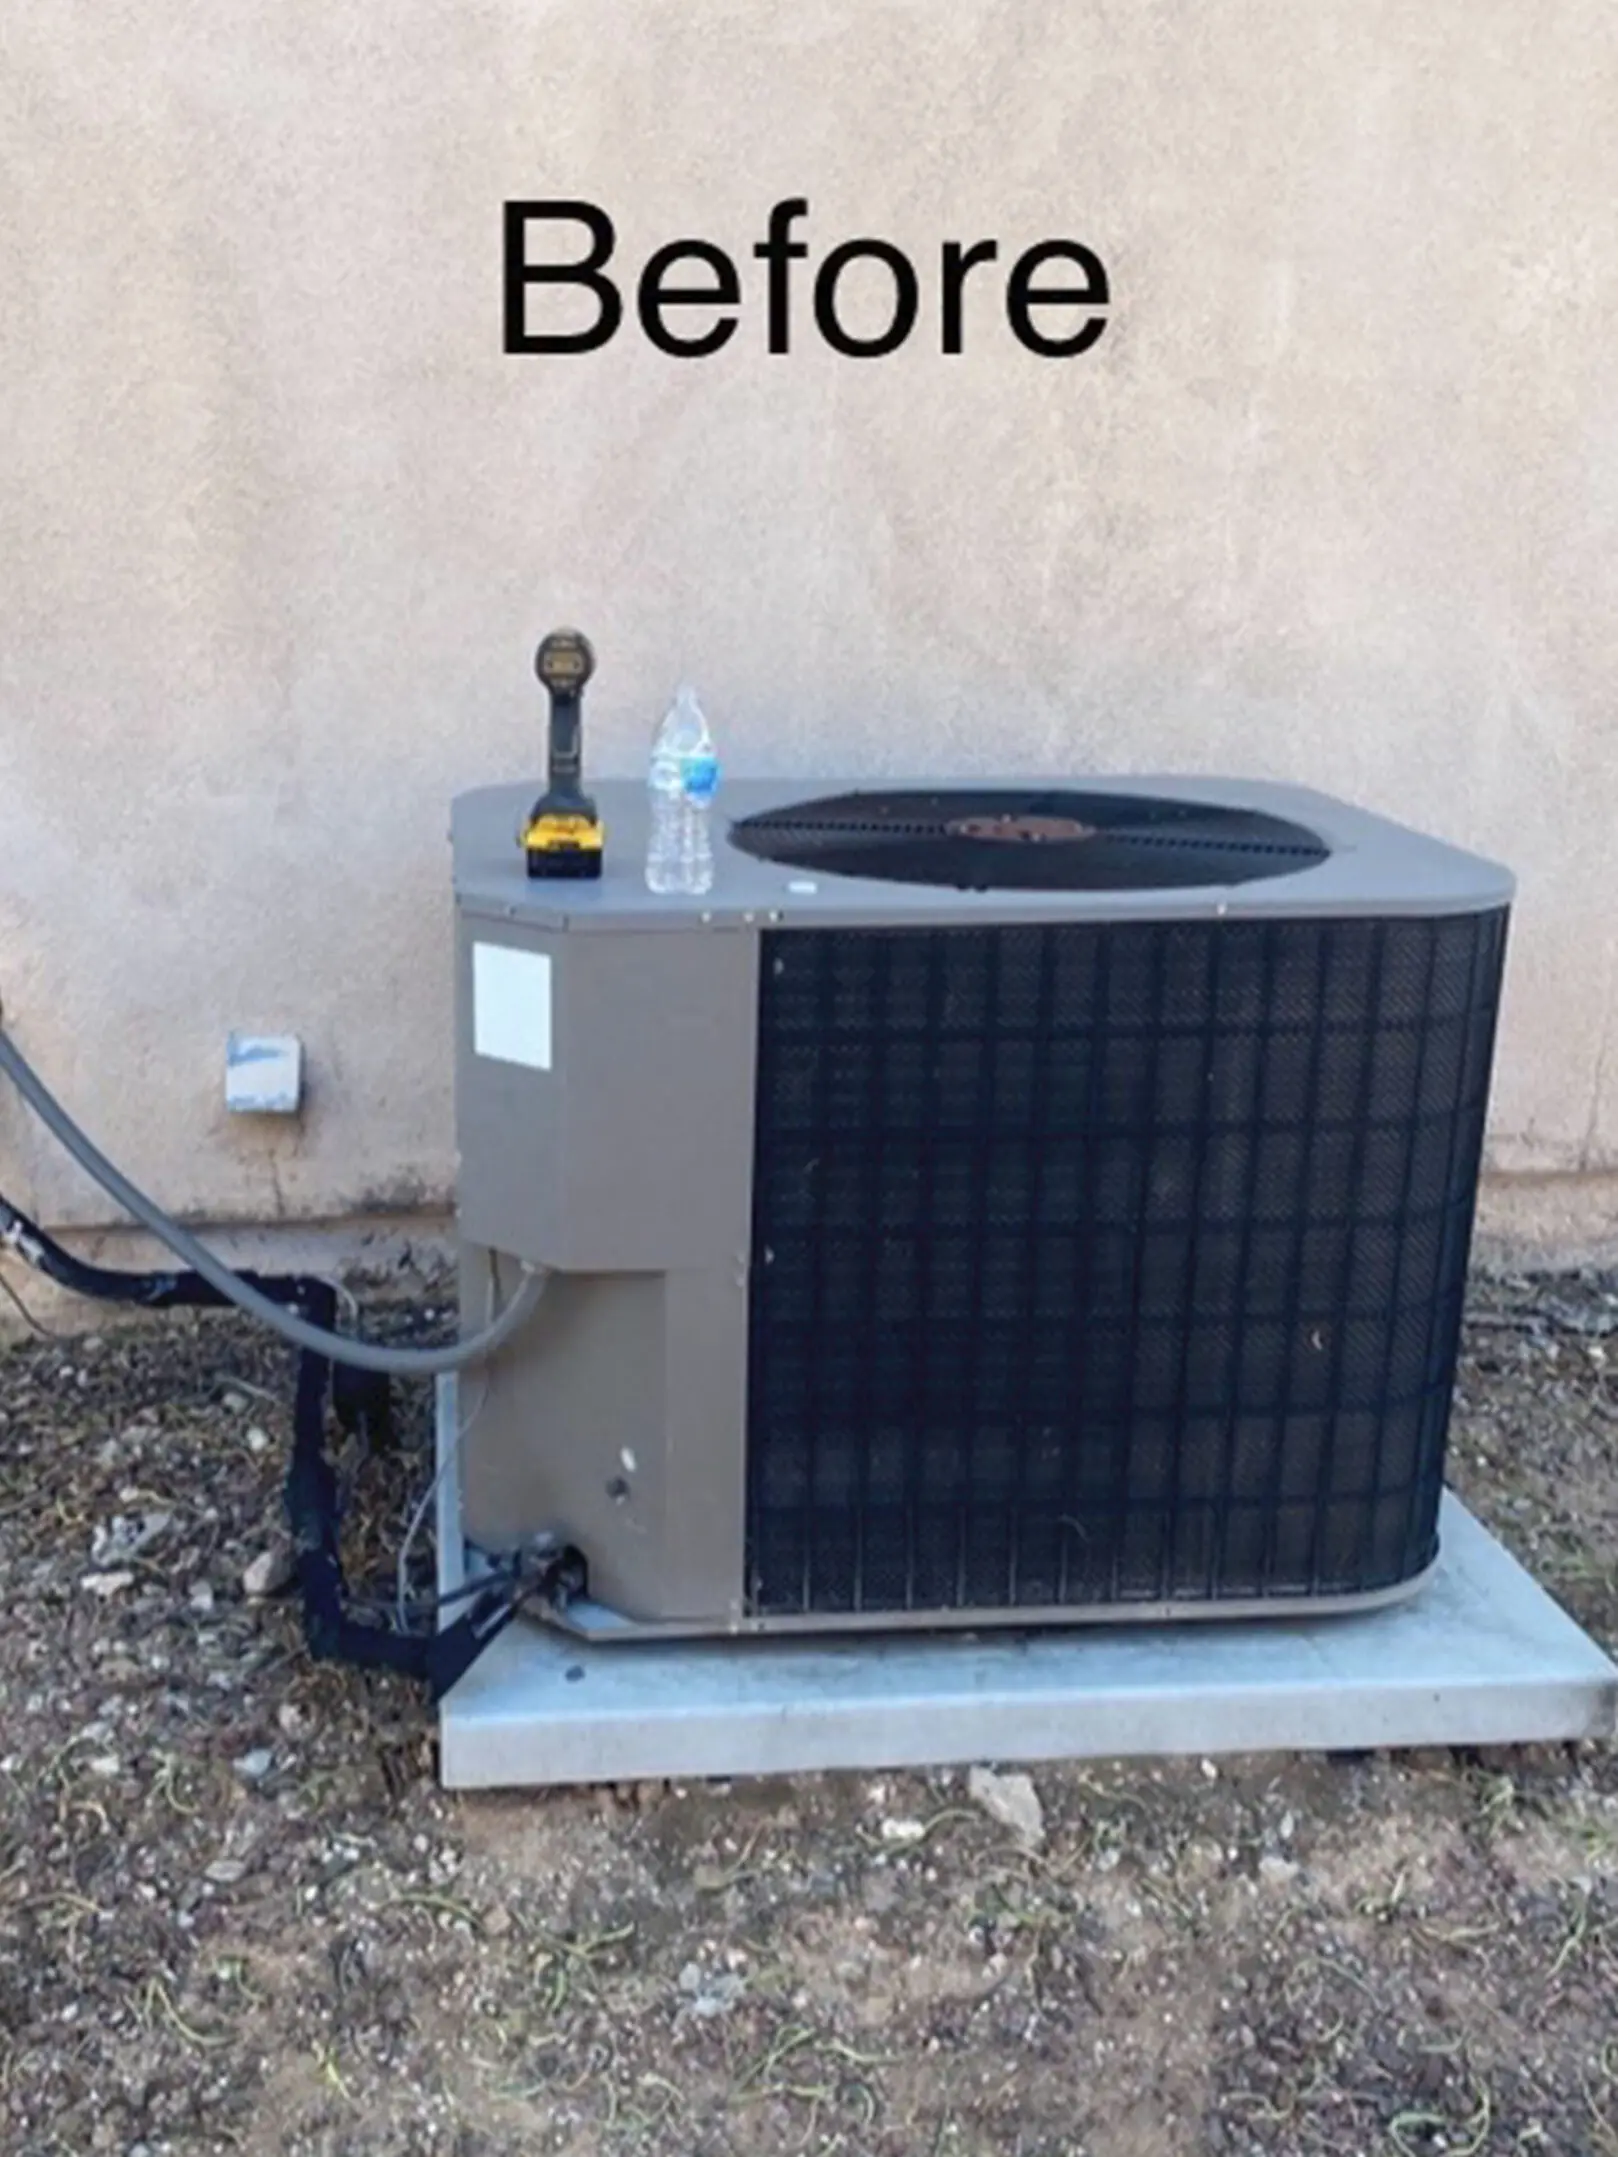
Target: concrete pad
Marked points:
1481	1656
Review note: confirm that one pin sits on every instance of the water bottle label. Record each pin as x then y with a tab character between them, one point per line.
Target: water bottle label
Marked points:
701	778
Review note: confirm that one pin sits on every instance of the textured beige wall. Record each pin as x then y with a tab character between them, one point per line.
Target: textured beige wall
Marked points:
1336	496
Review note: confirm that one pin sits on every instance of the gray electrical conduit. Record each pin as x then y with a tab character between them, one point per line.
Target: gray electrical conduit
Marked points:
339	1347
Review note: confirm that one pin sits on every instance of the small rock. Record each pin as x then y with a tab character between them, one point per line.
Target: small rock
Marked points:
234	1402
107	1584
1210	1770
497	1922
709	1996
121	1538
1277	1871
268	1574
1012	1801
291	1720
254	1766
903	1831
1288	1827
258	1440
201	1598
225	1871
106	1765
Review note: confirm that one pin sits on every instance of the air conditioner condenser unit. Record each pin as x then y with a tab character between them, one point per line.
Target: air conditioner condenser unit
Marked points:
995	1204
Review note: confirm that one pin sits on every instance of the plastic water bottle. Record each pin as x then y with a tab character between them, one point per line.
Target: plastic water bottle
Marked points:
682	781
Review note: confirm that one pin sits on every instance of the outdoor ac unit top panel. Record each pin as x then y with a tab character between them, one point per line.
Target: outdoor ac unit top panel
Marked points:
1350	860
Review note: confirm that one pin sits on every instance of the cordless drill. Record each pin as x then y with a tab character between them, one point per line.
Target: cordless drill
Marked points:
563	835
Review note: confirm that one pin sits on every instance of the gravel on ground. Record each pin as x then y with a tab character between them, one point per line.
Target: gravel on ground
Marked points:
238	1915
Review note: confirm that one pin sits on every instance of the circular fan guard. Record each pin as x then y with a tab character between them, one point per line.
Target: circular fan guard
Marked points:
1006	839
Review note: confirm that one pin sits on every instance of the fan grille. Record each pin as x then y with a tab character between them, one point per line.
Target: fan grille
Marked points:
1009	839
1109	1263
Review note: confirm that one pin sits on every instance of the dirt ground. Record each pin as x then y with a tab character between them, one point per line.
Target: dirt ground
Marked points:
236	1913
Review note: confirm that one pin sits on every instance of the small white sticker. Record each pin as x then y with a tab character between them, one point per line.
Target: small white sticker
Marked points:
511	1005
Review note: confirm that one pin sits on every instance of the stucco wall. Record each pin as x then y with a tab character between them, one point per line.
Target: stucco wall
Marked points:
1336	496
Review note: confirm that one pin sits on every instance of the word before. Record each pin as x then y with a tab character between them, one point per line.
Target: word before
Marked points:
695	274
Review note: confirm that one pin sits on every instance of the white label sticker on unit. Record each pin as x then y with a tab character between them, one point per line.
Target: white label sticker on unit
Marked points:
511	1005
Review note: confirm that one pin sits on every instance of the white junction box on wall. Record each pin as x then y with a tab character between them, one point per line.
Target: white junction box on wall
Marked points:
263	1074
